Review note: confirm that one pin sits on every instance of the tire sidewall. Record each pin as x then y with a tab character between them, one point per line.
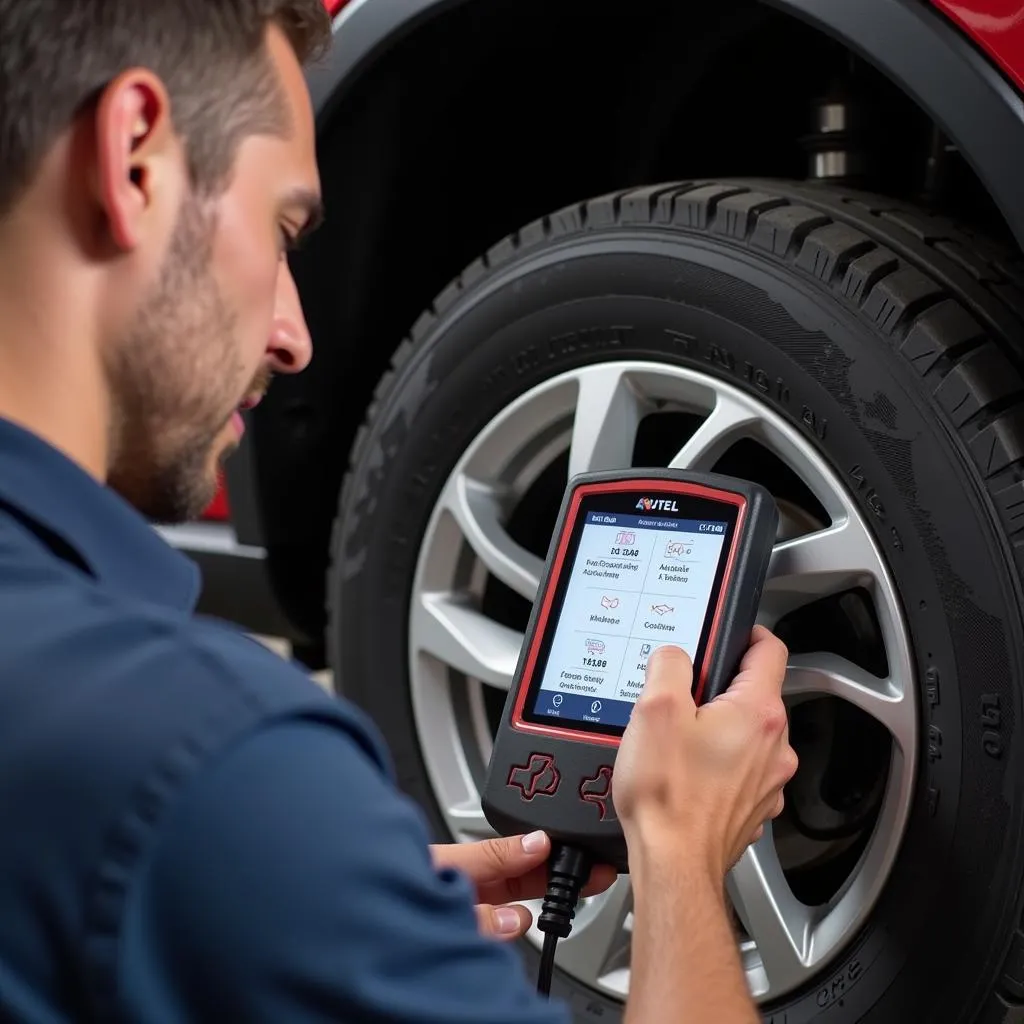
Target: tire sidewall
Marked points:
694	303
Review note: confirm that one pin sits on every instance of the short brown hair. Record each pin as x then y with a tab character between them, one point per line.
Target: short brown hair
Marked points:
57	56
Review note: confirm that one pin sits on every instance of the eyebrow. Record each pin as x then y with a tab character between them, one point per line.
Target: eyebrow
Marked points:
313	205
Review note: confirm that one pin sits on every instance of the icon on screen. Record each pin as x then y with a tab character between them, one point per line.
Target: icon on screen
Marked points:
662	609
557	700
645	650
625	537
595	707
609	602
677	549
595	646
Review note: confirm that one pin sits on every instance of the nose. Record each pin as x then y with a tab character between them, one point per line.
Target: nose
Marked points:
290	347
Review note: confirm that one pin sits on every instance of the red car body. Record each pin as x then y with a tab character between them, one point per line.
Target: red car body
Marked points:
997	26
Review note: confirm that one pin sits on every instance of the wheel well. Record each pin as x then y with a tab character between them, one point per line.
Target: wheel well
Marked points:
492	114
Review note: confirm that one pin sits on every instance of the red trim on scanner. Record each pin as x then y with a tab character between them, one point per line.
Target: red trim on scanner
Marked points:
653	487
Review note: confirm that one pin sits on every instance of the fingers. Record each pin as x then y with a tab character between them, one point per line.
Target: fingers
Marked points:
504	922
669	665
510	868
534	884
495	860
768	811
771	808
764	665
512	921
602	877
668	681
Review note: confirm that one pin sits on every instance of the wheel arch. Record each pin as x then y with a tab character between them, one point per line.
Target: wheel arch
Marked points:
933	63
914	45
302	433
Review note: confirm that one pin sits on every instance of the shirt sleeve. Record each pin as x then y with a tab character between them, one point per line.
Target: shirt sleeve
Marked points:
294	883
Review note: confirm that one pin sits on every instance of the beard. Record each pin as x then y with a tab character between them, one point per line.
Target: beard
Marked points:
175	379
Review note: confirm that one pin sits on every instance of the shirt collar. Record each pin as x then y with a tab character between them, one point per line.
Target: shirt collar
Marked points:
117	545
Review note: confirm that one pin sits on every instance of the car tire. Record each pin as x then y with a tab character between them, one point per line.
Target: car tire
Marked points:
892	341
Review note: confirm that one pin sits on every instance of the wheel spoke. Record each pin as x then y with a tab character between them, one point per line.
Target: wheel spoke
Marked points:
462	637
829	674
477	508
776	920
608	412
597	939
468	818
818	564
810	467
727	423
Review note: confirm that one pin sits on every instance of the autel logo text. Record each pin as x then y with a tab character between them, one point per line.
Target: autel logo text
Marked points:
658	504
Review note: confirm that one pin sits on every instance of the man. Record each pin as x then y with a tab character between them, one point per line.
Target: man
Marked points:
190	830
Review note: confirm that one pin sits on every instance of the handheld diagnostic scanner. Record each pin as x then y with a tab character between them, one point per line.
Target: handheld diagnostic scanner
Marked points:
638	559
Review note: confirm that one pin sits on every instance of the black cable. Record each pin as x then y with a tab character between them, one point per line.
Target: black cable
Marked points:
547	964
568	871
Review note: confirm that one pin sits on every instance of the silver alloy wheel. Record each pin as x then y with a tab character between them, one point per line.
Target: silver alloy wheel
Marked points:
456	651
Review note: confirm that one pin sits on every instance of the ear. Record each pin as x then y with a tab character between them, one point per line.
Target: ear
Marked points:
135	146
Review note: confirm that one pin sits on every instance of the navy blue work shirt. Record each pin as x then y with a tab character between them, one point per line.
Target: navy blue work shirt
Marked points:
190	829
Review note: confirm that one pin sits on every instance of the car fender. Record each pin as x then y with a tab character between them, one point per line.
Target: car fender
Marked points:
910	41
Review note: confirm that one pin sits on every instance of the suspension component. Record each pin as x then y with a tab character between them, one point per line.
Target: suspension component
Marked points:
834	147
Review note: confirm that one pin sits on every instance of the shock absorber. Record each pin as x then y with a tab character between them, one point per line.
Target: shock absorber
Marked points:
834	147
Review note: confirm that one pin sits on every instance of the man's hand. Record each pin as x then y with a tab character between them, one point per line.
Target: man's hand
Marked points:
505	870
693	788
700	782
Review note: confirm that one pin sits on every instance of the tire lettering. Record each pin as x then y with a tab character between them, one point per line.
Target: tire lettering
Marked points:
684	344
992	744
992	722
817	425
526	359
758	378
835	989
775	389
933	698
588	339
871	499
722	357
990	710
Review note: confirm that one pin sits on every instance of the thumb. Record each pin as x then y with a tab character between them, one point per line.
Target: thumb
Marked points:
763	667
670	670
505	922
494	860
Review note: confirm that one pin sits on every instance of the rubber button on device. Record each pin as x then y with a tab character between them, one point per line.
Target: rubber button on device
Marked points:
598	791
538	777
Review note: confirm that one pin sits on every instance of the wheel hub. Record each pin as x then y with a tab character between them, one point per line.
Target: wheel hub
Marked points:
803	891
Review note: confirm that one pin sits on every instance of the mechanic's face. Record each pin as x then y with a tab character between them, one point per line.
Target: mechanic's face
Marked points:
221	318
